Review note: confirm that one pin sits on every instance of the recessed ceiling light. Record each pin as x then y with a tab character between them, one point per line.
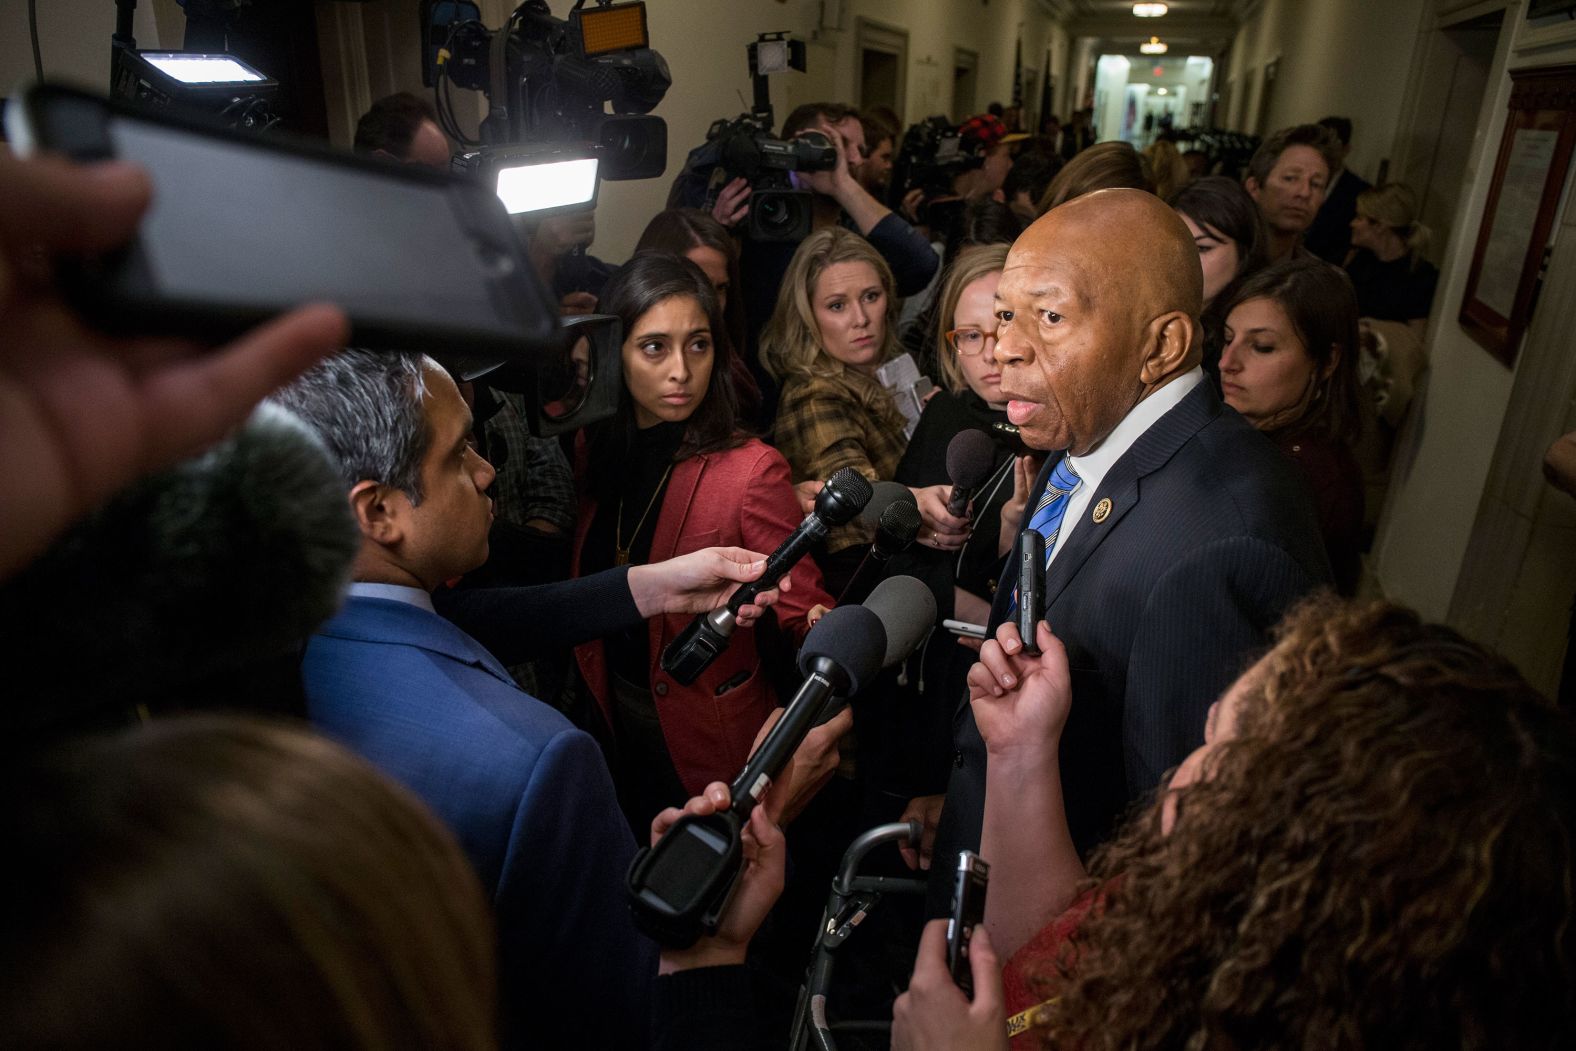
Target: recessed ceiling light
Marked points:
1149	10
1154	47
1160	91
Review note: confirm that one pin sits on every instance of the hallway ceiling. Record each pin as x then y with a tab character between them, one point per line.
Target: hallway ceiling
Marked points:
1191	27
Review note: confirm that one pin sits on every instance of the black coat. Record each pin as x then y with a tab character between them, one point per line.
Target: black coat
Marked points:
912	749
1209	539
1330	235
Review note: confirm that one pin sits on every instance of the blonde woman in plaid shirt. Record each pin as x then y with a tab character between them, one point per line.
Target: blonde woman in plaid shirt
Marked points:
833	327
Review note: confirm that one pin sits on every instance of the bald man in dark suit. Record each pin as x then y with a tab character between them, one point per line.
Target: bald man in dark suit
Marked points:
1176	534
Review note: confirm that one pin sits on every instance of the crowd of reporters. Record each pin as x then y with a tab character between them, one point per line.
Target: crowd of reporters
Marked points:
402	714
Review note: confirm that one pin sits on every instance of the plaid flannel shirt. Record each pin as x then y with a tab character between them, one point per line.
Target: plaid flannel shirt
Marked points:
846	419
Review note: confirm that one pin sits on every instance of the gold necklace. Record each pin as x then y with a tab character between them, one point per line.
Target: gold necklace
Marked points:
620	551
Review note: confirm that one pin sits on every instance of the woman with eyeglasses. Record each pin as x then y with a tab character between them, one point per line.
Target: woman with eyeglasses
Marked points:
958	556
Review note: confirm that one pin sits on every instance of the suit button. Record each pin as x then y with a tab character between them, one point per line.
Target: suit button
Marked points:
662	689
957	759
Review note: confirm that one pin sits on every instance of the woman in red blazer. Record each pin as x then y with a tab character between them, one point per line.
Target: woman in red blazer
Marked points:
669	474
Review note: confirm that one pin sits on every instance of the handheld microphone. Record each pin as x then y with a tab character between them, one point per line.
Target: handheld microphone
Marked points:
845	494
1029	554
193	587
970	457
907	610
679	888
896	530
886	494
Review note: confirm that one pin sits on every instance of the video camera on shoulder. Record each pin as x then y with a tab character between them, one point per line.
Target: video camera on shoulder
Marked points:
745	147
930	157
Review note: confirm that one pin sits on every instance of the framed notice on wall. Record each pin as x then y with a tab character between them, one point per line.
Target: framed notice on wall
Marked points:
1534	156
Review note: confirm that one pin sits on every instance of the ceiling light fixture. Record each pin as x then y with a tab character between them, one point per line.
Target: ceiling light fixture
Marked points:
1154	47
1149	10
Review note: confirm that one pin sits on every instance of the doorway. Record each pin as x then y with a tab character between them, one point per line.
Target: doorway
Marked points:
883	65
965	80
1460	58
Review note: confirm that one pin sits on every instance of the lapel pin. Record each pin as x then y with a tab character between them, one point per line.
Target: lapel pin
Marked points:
1102	511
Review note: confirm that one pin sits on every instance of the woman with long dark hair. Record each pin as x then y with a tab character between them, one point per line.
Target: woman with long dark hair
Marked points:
673	472
700	238
1289	367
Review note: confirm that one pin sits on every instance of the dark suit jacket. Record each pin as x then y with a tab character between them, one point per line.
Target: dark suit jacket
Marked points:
1210	537
1330	236
527	795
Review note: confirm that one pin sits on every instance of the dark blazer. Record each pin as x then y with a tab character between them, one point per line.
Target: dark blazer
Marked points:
1330	235
527	795
1209	538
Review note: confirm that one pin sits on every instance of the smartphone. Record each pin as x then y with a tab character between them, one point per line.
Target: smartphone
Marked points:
244	227
965	629
1030	558
970	879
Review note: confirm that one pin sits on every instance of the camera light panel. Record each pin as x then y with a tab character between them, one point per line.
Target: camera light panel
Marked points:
191	68
552	184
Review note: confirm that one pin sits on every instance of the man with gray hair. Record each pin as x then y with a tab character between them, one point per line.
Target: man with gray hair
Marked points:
526	793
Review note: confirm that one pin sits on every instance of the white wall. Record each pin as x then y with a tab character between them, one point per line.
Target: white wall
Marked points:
73	38
1347	57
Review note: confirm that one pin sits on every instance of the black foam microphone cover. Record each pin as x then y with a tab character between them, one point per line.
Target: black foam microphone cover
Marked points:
970	456
907	610
186	583
898	527
851	637
885	495
845	494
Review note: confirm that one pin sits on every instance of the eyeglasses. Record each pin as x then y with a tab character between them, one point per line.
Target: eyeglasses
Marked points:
969	341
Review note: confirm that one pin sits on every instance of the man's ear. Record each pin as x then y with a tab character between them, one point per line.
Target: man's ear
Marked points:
378	510
1252	186
1170	347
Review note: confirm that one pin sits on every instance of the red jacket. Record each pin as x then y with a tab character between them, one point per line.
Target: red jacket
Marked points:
735	498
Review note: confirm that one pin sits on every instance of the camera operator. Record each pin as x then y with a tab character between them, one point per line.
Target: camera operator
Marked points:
839	200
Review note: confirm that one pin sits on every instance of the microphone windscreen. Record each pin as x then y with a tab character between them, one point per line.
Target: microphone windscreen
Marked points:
970	456
899	525
199	573
907	611
845	494
885	495
851	637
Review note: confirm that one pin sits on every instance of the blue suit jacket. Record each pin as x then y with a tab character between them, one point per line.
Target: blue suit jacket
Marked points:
1210	537
527	795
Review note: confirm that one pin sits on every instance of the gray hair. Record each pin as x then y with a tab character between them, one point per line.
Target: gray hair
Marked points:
367	408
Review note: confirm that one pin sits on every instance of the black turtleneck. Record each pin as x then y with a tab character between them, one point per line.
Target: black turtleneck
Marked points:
641	482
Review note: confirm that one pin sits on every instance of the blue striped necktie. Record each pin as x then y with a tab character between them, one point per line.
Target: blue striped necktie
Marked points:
1047	517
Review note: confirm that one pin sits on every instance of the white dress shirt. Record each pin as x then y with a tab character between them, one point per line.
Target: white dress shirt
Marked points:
1093	466
393	593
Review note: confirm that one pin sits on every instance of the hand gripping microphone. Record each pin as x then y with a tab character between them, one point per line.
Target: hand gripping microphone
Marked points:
970	458
843	497
895	531
679	888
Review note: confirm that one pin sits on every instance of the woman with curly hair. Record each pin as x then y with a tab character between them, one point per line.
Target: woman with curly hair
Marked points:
1373	848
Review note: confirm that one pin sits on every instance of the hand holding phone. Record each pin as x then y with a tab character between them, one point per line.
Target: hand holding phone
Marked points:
1030	560
969	883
